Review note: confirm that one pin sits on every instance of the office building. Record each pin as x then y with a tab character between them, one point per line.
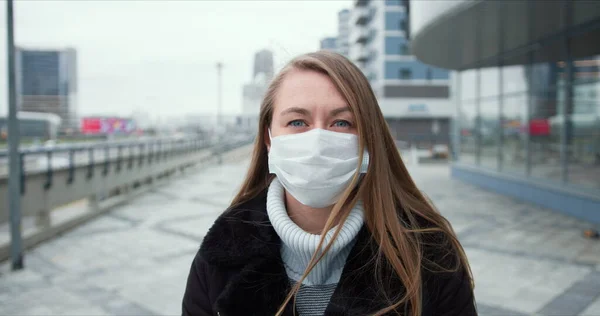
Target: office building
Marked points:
47	83
414	97
343	38
526	95
263	64
329	43
254	91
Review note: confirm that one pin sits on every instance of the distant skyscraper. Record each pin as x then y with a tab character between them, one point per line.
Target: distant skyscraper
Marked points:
329	43
253	92
47	82
343	39
263	63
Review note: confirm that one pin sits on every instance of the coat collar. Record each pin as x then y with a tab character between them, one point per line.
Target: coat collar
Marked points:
243	240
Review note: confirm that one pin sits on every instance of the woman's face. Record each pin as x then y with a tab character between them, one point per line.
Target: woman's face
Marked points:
307	100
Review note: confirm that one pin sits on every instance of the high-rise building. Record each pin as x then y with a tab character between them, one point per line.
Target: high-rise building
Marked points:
414	97
47	82
329	43
254	91
263	64
343	38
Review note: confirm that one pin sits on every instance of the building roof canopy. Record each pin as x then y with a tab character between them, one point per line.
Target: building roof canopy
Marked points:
474	33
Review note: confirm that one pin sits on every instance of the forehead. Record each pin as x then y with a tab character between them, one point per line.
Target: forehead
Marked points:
307	89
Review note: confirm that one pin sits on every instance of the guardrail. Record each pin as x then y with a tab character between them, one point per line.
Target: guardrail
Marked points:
120	168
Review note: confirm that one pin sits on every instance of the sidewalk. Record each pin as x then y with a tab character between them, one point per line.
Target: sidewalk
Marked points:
135	260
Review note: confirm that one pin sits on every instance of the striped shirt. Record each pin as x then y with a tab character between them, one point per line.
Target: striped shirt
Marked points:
313	300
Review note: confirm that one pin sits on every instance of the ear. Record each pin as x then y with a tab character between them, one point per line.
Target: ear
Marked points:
267	139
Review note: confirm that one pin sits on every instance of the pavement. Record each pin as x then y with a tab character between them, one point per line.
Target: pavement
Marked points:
135	260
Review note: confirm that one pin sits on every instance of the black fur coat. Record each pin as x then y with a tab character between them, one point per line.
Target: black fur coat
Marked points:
238	271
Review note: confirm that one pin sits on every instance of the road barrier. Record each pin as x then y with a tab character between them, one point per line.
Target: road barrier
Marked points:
108	182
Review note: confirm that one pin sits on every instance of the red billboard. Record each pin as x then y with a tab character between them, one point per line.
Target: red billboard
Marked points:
539	127
91	126
107	126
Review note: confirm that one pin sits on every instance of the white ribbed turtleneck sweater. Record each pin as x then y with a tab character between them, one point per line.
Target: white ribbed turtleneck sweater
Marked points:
298	247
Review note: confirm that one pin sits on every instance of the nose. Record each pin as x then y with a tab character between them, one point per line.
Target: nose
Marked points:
322	124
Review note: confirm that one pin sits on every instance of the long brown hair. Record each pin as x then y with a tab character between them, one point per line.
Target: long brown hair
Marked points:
394	207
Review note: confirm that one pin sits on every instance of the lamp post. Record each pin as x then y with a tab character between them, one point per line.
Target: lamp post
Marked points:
14	174
219	112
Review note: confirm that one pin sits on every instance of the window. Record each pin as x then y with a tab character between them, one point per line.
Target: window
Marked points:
403	49
403	25
395	45
467	120
514	131
392	3
429	74
547	100
490	78
488	131
393	20
468	84
405	74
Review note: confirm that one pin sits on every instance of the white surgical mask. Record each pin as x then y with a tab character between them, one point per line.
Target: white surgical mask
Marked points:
315	167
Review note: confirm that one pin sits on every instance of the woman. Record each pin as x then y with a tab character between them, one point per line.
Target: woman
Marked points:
326	174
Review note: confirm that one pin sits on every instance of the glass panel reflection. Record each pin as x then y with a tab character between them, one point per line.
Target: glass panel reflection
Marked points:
468	84
584	151
514	79
514	129
467	123
546	83
489	130
490	85
544	133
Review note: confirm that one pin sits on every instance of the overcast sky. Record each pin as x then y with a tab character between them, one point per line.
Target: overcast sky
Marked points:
158	56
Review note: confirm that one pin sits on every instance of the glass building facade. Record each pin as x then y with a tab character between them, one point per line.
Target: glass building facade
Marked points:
343	36
47	83
329	43
40	73
538	119
527	96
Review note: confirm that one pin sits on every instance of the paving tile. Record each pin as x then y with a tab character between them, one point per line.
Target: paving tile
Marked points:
593	309
525	284
576	298
125	308
488	310
87	311
38	310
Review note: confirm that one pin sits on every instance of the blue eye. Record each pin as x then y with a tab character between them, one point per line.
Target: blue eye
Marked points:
342	123
296	123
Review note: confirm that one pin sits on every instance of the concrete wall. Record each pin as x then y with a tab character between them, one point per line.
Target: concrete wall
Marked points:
45	190
125	186
574	203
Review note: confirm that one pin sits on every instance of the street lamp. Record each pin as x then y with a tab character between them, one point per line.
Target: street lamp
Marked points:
14	174
219	110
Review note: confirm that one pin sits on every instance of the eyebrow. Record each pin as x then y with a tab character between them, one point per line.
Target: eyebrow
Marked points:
298	110
340	110
305	112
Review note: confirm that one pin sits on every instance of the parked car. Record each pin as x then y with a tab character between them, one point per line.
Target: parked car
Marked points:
440	151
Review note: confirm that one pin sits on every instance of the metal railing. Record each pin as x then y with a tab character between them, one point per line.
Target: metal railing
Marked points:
54	157
57	175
